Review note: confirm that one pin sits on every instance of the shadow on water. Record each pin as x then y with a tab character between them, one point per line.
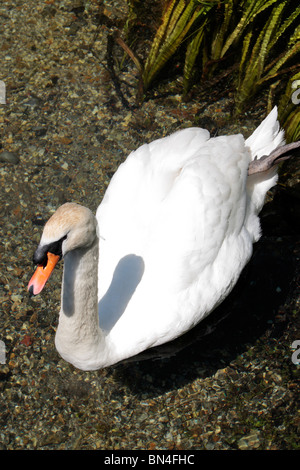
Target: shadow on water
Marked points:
229	331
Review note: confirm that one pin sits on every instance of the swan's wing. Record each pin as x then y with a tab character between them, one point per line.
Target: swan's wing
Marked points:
182	227
173	202
129	216
143	181
205	207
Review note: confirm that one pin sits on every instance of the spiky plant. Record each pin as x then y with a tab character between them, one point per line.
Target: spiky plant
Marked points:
261	49
178	18
192	53
237	17
221	34
255	66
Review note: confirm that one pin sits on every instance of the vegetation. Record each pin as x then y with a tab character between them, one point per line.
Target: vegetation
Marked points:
178	19
255	69
260	38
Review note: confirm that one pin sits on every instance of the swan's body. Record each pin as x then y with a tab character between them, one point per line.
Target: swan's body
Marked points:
176	228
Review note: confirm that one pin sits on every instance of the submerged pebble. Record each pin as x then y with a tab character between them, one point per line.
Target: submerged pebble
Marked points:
9	157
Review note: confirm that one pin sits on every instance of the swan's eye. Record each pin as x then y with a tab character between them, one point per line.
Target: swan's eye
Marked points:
40	255
56	247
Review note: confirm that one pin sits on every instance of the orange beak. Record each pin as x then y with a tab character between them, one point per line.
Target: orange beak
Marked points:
42	274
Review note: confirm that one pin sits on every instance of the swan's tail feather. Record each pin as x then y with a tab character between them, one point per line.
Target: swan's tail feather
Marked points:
264	140
267	137
267	147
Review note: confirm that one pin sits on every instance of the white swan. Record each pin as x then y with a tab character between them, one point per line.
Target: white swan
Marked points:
176	228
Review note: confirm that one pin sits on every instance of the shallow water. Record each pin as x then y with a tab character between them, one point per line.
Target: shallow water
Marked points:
228	384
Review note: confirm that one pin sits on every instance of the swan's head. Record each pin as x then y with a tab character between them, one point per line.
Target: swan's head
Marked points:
71	227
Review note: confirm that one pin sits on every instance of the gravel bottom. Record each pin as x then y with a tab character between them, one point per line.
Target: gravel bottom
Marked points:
230	383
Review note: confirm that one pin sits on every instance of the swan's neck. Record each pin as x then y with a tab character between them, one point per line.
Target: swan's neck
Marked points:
79	339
